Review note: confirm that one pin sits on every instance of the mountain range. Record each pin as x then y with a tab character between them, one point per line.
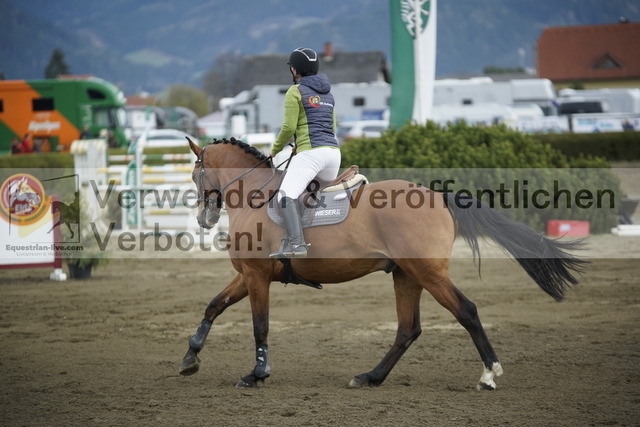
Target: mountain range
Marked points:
147	45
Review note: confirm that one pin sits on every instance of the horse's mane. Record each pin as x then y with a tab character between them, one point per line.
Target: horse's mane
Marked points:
249	149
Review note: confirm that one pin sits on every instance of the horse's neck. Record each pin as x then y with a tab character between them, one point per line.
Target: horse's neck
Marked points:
232	167
263	179
254	189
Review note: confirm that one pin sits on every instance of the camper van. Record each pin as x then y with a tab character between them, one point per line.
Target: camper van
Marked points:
479	114
484	90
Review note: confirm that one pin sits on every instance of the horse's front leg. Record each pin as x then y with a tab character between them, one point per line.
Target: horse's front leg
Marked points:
259	296
234	292
54	226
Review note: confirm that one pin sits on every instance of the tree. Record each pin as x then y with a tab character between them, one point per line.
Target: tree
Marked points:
493	69
188	97
56	65
577	85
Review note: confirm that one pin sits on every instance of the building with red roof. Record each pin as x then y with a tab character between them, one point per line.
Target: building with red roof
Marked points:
591	55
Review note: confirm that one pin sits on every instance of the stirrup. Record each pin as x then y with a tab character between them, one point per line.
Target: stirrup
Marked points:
298	251
287	250
285	247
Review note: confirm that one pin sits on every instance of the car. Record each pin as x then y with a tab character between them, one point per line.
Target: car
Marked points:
361	129
166	138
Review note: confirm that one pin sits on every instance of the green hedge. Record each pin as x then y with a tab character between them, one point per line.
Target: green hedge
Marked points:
65	160
613	146
37	160
479	158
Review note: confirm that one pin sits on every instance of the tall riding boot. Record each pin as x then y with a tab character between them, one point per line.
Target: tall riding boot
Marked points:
293	244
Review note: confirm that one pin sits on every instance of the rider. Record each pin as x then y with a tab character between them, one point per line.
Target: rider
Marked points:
309	116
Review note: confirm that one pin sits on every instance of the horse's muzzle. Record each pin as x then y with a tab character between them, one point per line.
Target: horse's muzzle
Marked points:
208	218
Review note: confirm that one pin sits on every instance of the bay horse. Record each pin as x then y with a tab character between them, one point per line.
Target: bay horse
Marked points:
414	244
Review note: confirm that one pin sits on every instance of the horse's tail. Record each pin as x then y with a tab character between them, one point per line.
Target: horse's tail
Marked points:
545	260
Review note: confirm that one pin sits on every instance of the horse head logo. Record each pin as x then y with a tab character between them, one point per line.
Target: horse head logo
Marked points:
22	199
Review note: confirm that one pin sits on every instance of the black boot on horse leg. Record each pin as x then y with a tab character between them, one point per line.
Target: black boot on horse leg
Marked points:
293	244
191	362
261	371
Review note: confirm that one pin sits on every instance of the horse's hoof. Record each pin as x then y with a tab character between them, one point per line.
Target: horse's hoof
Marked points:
486	380
250	381
486	386
246	384
190	365
361	380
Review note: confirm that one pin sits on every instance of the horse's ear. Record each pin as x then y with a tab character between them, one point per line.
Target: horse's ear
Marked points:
194	147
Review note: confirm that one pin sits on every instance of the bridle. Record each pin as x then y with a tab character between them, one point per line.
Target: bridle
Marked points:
208	202
218	200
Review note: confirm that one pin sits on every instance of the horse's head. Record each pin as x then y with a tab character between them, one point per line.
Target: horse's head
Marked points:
208	189
222	164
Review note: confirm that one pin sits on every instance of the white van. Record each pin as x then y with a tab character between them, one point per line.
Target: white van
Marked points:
361	129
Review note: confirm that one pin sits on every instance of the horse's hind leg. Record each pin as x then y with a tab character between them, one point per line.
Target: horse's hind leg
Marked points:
70	230
465	311
408	294
234	292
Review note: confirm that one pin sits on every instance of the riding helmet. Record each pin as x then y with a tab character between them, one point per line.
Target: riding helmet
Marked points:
305	61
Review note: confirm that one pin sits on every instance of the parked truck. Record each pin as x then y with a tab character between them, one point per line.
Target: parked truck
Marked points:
616	100
55	112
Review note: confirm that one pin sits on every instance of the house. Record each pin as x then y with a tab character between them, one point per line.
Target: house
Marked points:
593	55
360	85
239	73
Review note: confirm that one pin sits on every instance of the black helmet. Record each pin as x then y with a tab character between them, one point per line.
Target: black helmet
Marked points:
305	61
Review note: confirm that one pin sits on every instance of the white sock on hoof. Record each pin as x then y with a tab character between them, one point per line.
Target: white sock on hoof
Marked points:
486	380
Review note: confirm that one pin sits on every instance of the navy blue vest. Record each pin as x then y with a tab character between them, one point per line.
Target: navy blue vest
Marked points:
318	104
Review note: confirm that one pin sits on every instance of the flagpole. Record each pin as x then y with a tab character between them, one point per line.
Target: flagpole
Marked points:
417	51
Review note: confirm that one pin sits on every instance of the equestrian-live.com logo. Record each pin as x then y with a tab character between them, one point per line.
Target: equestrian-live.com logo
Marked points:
22	199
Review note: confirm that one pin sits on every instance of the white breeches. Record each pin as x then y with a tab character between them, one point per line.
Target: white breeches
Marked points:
322	162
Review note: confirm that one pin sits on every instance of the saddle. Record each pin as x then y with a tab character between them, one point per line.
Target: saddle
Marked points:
350	177
327	203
